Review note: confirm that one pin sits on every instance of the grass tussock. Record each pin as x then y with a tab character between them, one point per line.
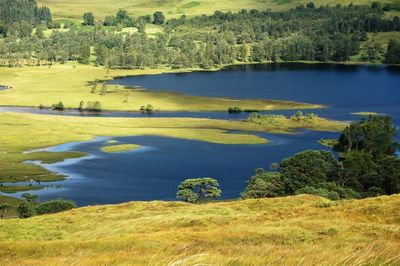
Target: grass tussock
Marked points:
279	231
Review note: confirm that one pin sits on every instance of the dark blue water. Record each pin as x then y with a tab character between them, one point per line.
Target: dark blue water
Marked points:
154	171
343	88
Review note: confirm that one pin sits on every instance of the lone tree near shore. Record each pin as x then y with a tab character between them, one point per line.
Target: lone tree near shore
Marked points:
193	189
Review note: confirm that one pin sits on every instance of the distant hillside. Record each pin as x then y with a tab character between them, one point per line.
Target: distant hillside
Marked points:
174	8
304	230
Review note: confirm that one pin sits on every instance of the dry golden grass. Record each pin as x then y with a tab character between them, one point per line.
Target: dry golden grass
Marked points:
298	230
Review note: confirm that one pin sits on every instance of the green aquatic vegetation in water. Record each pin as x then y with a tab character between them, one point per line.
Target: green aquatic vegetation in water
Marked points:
120	148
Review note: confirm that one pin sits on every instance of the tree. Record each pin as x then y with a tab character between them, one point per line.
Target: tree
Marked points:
264	184
33	199
389	170
4	208
26	210
103	89
94	87
88	19
58	106
54	206
375	134
158	18
81	106
123	18
85	54
194	189
309	168
393	52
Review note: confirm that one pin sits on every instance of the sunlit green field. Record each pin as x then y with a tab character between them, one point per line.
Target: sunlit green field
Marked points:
298	230
73	9
71	83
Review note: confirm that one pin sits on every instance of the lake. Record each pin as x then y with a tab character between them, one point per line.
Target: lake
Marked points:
154	171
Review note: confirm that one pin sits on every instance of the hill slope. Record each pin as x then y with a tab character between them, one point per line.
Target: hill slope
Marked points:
175	8
296	230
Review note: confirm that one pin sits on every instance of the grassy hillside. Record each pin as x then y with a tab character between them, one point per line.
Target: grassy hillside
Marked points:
73	9
299	230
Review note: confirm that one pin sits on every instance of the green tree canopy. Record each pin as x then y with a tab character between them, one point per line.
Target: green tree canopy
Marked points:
309	168
88	19
158	18
375	134
393	52
193	189
54	206
264	184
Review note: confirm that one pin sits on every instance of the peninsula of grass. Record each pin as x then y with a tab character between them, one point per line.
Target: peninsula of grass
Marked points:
364	113
26	132
330	143
119	148
14	189
295	230
44	86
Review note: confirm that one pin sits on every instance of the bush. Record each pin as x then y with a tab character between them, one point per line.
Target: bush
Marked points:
58	106
26	210
234	110
94	106
147	109
54	206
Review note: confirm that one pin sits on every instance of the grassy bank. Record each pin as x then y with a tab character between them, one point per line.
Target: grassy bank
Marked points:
23	132
119	148
34	86
298	230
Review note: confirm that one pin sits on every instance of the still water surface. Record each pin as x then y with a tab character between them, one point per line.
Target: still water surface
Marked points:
155	170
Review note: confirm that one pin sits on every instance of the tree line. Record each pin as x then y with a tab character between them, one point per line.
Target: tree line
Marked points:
303	33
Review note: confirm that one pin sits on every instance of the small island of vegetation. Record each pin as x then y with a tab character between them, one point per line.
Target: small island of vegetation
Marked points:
120	148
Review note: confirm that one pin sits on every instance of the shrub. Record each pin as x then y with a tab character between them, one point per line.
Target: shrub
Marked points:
94	106
58	106
54	206
26	210
233	110
147	109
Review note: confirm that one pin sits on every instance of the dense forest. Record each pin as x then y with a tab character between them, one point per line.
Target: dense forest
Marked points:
306	33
